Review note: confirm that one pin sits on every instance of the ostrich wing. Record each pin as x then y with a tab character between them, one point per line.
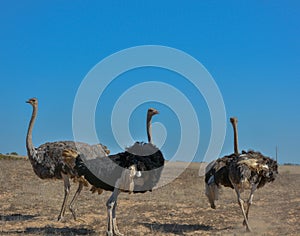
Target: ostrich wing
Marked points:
49	162
103	172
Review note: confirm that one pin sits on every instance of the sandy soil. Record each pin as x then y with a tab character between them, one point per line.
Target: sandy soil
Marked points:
30	206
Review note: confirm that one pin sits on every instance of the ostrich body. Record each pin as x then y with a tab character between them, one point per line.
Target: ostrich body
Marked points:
47	162
248	170
136	170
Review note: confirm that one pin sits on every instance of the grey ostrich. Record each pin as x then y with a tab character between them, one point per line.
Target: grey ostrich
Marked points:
248	170
136	170
47	162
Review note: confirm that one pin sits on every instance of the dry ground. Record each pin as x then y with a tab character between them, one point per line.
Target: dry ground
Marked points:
29	206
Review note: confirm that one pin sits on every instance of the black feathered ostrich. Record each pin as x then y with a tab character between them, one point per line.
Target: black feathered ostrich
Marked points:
248	170
136	170
47	162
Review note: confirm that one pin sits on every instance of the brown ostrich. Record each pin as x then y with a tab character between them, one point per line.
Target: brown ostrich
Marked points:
248	170
47	162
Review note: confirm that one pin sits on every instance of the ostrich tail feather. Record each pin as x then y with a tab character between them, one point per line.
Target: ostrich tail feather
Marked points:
212	192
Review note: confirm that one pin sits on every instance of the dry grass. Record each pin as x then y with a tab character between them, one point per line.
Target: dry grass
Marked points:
29	206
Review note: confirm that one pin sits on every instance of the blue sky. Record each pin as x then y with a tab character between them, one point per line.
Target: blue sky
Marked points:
250	48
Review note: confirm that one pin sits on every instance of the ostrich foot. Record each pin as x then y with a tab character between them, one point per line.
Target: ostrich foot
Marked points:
119	234
115	228
113	234
246	223
60	218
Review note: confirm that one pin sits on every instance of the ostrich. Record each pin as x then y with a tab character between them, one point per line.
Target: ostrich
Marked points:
47	163
136	170
248	170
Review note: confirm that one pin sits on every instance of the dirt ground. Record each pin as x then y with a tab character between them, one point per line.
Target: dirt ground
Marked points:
30	206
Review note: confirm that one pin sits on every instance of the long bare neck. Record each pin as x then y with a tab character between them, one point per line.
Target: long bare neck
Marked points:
149	129
29	145
235	132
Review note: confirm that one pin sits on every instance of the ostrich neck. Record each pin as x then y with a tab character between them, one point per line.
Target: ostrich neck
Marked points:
29	145
236	146
149	132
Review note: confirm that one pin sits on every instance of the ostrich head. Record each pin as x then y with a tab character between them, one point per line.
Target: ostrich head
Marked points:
33	101
233	120
152	112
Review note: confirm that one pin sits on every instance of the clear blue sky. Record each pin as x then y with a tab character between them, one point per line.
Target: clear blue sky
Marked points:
251	48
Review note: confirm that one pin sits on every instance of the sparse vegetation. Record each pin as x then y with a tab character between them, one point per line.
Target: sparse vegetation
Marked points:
179	208
290	164
12	155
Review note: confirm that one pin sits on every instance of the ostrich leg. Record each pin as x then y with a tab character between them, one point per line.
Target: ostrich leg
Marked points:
114	221
241	203
112	228
67	192
249	202
71	207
